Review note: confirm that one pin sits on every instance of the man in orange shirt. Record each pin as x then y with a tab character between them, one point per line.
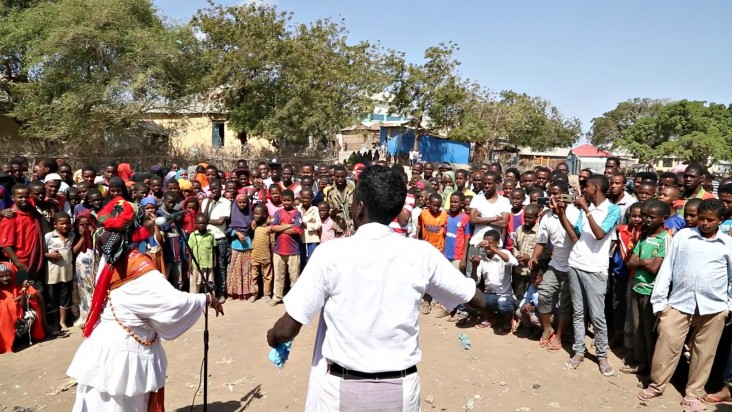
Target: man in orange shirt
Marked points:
433	223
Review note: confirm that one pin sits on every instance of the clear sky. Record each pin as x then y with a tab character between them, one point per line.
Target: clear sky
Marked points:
583	56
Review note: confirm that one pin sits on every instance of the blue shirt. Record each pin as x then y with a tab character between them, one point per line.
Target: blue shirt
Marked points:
675	222
695	274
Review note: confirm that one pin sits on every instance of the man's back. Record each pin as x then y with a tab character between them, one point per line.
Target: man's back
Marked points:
372	284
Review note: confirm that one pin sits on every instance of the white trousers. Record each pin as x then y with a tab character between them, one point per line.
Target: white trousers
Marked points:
389	395
89	399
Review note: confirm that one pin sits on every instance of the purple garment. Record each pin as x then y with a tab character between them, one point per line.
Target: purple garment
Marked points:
241	220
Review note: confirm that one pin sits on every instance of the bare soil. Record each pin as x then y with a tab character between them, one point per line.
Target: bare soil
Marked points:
498	373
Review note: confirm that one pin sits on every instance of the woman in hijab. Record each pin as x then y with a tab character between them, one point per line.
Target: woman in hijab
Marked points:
121	365
15	300
124	171
86	225
240	282
448	186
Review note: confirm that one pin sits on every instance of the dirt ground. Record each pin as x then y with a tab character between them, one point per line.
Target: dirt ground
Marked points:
498	373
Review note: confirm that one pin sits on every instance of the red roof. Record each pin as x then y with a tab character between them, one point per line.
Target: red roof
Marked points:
588	150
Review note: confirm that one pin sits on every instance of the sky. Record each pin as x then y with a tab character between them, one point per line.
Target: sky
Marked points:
583	56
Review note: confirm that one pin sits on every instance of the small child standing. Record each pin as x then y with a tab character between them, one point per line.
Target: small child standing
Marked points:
457	232
84	264
646	260
516	217
310	225
172	246
287	227
261	264
327	229
239	282
202	243
523	241
670	196
60	270
495	271
627	236
692	290
526	313
433	222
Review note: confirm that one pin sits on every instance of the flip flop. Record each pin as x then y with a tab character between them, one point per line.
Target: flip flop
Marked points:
573	363
713	400
646	395
545	343
483	325
693	405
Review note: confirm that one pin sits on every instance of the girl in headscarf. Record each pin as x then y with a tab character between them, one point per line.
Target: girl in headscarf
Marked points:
152	245
435	183
181	174
170	175
15	300
124	171
240	282
121	366
448	186
192	207
86	225
116	188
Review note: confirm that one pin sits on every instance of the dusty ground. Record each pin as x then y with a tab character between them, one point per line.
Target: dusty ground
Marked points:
499	373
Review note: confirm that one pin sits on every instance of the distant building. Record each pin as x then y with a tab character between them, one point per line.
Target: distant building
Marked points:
587	156
547	158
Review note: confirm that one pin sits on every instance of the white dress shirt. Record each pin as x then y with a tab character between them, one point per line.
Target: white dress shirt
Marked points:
700	271
370	286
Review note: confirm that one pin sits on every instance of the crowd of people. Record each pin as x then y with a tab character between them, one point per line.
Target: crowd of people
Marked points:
641	263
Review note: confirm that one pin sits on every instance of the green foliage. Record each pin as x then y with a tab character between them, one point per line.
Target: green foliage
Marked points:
282	82
606	129
691	130
77	71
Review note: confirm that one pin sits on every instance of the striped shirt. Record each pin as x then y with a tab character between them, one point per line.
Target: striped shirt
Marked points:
700	271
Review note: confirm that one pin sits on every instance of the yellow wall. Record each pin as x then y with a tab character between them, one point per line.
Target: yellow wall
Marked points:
187	131
8	129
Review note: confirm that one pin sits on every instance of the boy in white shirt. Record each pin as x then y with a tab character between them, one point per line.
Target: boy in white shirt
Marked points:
495	271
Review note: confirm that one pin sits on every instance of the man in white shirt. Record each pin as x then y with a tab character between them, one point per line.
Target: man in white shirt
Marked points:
218	211
588	266
375	278
555	281
488	211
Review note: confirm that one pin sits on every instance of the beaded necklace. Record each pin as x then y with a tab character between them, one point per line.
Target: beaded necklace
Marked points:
127	329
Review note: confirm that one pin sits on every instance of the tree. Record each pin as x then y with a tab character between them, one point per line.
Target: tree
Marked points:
286	83
431	90
690	130
610	126
79	71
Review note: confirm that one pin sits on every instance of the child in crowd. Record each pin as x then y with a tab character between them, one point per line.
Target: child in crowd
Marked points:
310	225
725	195
173	248
670	195
646	190
691	214
692	290
192	208
261	264
287	227
153	245
59	254
495	271
218	211
327	229
84	264
92	203
516	218
457	232
526	313
432	223
156	188
139	191
523	241
274	203
73	199
627	235
420	203
645	260
202	244
239	282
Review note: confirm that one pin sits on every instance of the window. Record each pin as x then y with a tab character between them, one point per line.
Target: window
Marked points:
668	162
217	140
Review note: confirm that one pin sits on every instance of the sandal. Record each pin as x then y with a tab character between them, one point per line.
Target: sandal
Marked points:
716	399
647	394
693	405
425	308
607	370
573	363
545	343
483	325
633	370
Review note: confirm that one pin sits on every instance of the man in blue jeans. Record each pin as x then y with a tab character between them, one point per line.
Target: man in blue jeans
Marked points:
495	269
588	266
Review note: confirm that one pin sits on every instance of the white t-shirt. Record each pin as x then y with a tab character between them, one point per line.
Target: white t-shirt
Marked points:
553	235
588	253
219	209
488	209
497	273
370	286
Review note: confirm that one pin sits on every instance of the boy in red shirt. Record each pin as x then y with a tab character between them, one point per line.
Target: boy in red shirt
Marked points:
287	227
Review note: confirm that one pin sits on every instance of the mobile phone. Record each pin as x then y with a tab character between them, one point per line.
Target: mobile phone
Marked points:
568	198
544	201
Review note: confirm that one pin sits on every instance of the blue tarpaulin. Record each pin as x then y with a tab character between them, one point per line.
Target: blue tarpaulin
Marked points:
433	149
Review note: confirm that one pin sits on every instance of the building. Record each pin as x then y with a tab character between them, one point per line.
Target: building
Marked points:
529	158
587	156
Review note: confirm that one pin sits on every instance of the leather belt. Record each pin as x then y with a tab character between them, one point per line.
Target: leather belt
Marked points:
346	374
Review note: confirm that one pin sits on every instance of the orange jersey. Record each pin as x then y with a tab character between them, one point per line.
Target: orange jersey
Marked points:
432	228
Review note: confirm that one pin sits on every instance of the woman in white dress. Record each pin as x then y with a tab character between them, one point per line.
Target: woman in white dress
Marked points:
122	365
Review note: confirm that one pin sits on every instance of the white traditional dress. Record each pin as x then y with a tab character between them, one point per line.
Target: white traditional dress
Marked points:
115	372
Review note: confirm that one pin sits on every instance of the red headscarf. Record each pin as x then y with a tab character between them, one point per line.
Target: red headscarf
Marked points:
124	171
188	220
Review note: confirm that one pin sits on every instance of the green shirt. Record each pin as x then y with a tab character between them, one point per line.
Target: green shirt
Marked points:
648	248
202	246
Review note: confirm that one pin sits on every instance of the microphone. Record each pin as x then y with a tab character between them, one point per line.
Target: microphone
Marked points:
162	220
